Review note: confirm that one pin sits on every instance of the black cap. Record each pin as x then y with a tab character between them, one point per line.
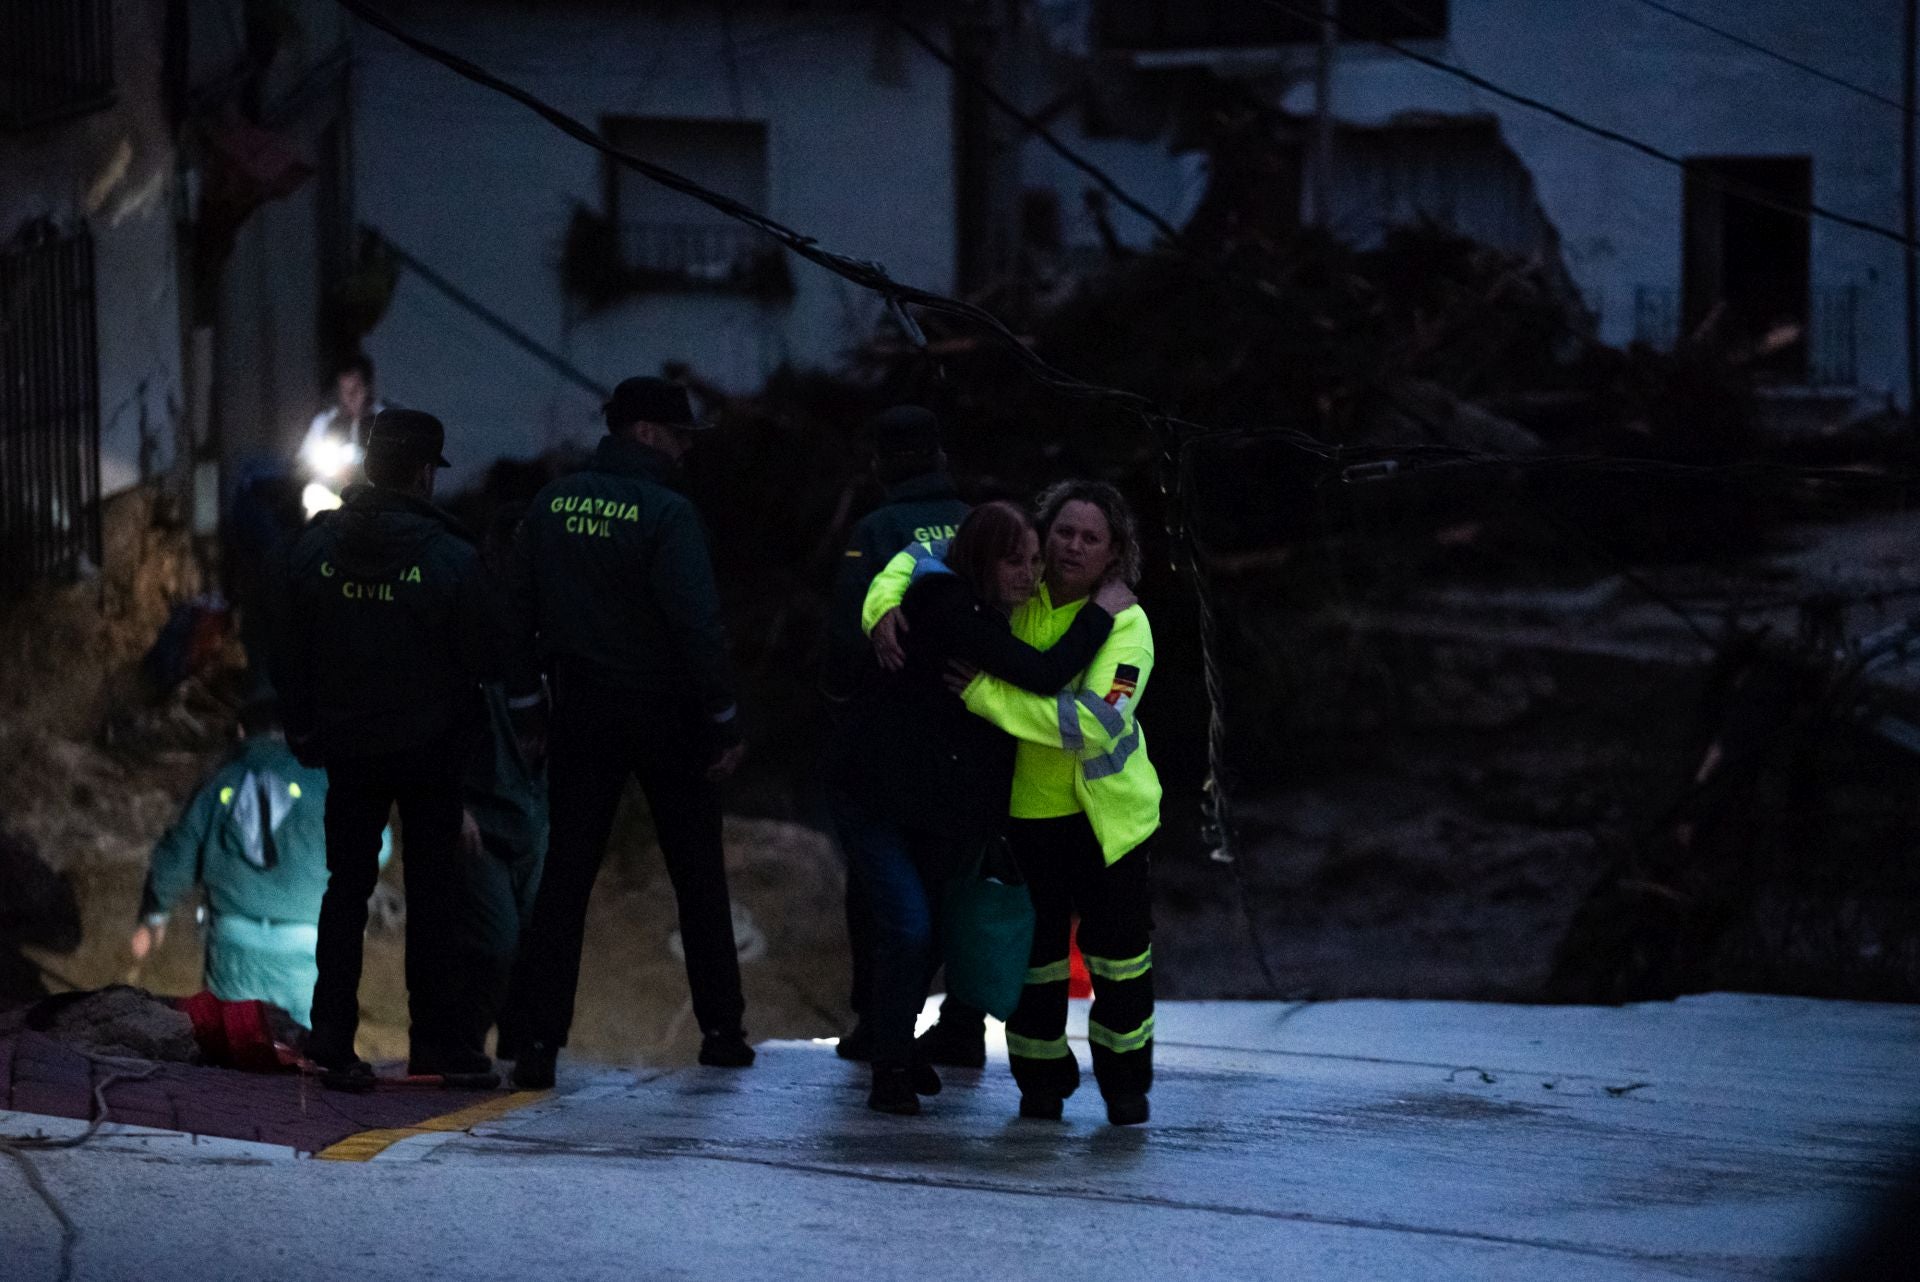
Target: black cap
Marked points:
905	429
649	400
412	435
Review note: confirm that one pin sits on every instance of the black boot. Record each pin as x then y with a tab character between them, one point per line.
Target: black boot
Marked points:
726	1050
856	1046
1127	1110
893	1091
925	1080
340	1070
1044	1108
533	1071
958	1042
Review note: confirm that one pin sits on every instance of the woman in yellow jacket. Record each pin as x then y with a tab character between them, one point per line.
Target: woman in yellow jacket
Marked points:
1085	798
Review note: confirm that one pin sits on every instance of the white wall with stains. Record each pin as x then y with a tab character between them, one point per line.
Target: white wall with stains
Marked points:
1620	65
859	155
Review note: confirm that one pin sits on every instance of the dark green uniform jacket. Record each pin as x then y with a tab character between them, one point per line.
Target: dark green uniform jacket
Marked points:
388	629
612	578
920	509
507	798
252	836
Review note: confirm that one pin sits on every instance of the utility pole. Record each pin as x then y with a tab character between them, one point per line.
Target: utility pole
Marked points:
1323	117
973	41
1909	35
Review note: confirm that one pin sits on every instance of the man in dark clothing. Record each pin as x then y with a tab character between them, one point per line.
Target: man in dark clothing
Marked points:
388	630
613	595
921	507
504	828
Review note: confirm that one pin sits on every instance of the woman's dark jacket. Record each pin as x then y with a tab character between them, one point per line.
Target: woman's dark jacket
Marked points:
917	757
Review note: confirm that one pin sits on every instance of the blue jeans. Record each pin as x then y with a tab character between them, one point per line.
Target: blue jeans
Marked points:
901	872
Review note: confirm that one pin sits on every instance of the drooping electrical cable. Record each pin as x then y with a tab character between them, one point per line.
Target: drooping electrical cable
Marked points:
1172	433
1039	130
1747	191
1766	52
867	274
1367	461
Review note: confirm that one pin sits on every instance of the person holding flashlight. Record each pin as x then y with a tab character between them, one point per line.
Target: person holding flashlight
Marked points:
336	439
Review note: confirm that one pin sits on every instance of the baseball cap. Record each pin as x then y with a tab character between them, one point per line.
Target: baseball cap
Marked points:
409	434
650	400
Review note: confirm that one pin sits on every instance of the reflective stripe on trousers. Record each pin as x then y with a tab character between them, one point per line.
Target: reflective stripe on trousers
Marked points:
1068	875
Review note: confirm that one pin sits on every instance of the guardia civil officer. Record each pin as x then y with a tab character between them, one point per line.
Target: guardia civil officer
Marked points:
387	631
921	506
613	595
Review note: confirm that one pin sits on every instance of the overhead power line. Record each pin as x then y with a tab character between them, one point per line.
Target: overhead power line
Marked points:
868	275
1775	54
494	320
1758	195
1039	130
873	276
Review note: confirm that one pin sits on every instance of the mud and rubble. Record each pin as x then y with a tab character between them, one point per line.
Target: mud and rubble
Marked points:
1460	704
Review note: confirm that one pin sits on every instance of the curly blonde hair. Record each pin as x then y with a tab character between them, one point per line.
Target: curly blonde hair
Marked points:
1121	526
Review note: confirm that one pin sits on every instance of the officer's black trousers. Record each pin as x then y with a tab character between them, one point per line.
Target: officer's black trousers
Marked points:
598	737
446	998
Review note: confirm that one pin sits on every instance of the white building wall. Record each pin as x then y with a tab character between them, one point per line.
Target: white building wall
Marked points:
1621	65
113	170
480	189
268	377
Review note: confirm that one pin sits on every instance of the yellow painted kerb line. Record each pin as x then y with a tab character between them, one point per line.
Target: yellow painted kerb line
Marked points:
368	1145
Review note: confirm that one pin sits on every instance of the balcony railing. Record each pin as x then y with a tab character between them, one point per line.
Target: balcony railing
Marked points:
699	253
56	60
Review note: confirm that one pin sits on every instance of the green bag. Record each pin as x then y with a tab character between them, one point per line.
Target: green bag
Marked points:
987	932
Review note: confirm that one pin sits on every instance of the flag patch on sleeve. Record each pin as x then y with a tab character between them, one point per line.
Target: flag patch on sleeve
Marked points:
1125	678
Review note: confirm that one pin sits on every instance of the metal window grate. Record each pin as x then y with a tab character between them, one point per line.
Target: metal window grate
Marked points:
719	255
56	60
49	408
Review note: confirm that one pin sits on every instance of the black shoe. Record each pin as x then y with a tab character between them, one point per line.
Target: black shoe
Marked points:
1045	1108
340	1069
893	1092
954	1044
1127	1110
856	1046
533	1071
350	1074
725	1050
925	1080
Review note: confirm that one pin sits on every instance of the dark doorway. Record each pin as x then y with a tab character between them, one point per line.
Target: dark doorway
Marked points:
1747	263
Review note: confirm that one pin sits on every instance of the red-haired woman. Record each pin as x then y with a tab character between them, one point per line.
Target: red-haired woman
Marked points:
926	782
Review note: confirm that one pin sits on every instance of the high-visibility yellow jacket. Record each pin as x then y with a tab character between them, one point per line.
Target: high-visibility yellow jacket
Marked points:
1081	749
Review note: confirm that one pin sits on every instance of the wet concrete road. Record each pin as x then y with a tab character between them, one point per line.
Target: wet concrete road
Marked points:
1716	1137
